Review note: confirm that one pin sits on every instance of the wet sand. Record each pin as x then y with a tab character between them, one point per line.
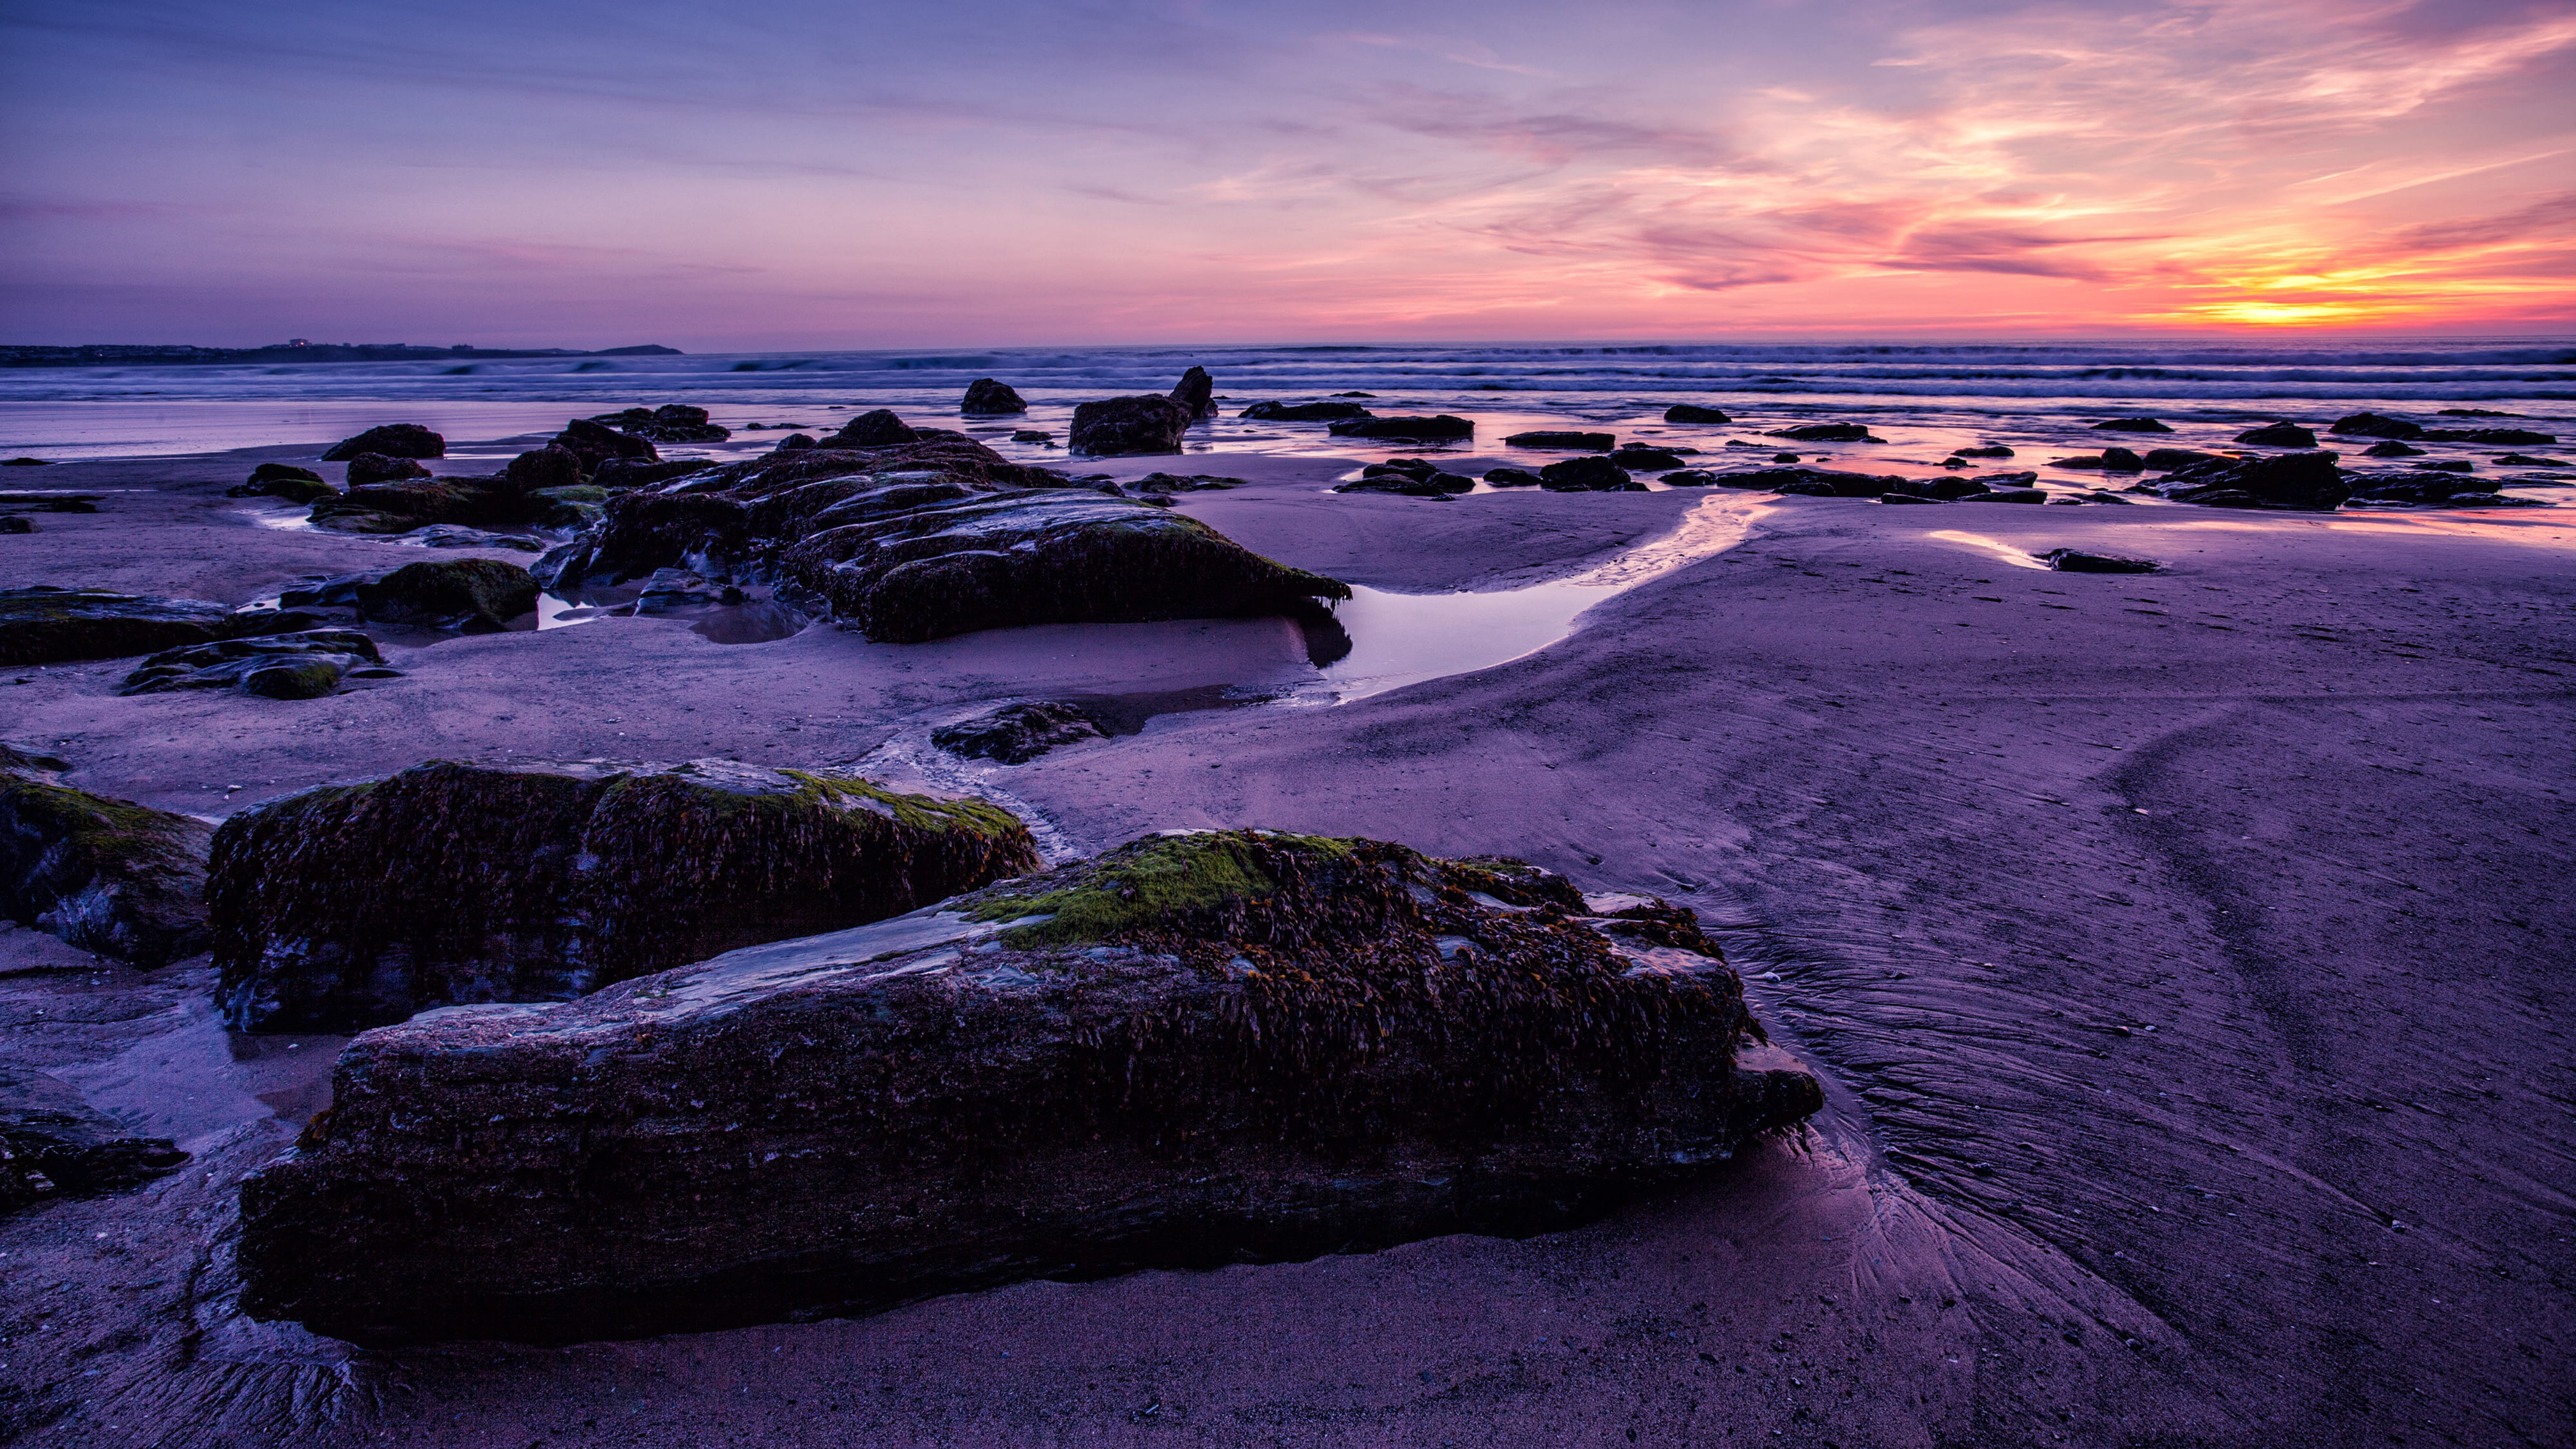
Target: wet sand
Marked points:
2187	956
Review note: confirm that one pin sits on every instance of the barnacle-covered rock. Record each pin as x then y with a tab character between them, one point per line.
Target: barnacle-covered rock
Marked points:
349	906
1193	1050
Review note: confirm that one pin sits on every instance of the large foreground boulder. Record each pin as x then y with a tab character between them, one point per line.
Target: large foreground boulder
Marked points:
106	875
1126	426
54	1145
393	440
45	624
1194	1050
1039	556
350	906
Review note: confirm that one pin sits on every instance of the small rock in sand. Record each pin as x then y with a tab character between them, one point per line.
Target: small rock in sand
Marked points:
1019	733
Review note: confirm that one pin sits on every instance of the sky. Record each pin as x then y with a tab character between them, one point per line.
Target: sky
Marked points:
803	174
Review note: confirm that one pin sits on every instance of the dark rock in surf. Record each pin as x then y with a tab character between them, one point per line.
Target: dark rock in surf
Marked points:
1051	556
1312	412
54	1145
553	467
1440	428
105	875
2278	435
1947	490
2084	561
349	906
1588	475
470	595
1191	1051
2374	425
669	423
2309	481
1817	482
1689	478
2132	425
1196	393
1513	478
1185	483
989	397
1991	450
1826	433
2007	495
307	664
2496	437
45	624
393	440
1016	734
1694	413
2525	460
1121	427
2391	448
1579	442
370	468
595	444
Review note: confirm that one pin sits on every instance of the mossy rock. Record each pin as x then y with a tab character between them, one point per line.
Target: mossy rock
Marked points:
473	595
356	905
303	665
1195	1050
106	875
43	624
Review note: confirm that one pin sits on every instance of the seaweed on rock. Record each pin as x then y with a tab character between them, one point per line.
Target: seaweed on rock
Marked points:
104	874
1196	1049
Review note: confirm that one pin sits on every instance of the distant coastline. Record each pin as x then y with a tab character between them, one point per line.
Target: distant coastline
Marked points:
125	355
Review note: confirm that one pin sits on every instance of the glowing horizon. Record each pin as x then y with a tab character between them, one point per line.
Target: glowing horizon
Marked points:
579	174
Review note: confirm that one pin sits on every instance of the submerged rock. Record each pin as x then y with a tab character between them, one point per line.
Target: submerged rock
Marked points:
2499	437
669	423
1431	429
1826	433
54	1145
471	595
393	440
1579	442
1819	482
350	906
106	875
1041	556
307	664
2278	435
1311	412
1128	426
45	624
1694	413
2132	425
1990	450
1194	1050
1016	734
990	397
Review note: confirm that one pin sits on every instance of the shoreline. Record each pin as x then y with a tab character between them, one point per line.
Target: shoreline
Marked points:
2163	940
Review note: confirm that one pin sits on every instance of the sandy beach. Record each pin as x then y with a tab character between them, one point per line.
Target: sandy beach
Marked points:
2185	956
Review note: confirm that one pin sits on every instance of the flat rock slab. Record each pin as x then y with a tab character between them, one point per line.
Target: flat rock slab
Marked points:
1194	1050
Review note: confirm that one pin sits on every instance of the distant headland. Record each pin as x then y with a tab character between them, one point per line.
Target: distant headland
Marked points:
298	350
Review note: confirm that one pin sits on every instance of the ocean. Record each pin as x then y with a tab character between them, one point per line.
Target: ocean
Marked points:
2034	391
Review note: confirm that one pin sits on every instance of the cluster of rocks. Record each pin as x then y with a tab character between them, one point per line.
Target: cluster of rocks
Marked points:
1196	1049
558	486
907	534
669	423
1411	477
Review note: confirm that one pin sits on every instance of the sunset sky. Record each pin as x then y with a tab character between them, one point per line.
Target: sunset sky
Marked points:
800	174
